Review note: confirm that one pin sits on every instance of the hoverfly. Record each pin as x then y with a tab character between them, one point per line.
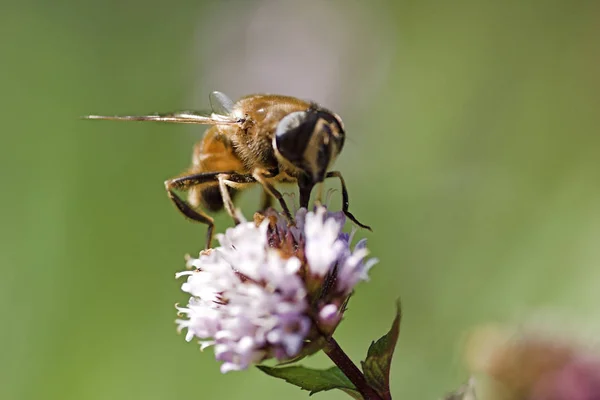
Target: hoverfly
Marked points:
264	139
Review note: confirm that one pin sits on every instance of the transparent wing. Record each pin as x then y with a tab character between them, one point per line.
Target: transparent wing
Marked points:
220	103
182	117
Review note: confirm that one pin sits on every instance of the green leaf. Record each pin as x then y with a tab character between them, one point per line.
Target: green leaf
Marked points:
313	380
379	359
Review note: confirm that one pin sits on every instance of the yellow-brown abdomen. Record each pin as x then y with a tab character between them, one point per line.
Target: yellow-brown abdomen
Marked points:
212	154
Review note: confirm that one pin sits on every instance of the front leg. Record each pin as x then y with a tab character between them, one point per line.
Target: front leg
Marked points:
345	201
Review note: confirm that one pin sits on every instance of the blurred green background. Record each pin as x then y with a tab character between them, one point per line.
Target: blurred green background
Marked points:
473	152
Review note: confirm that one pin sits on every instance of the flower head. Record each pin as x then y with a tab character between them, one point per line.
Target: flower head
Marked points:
271	289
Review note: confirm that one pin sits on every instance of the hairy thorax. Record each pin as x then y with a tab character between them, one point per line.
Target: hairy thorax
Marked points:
253	142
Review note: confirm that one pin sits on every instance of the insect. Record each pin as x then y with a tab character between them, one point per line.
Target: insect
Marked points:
264	139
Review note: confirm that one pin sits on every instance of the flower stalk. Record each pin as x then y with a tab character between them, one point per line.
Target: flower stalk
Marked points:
344	363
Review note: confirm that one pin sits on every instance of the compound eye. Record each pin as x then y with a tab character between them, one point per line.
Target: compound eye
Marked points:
293	134
290	122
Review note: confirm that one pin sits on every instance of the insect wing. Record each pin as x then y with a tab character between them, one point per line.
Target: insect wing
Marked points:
220	103
182	117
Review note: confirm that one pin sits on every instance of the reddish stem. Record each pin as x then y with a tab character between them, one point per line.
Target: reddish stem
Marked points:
345	364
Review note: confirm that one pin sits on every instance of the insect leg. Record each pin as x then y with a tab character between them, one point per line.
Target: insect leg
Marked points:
345	203
227	202
260	178
192	214
186	182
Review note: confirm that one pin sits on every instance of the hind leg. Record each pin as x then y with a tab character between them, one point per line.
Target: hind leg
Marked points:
187	182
